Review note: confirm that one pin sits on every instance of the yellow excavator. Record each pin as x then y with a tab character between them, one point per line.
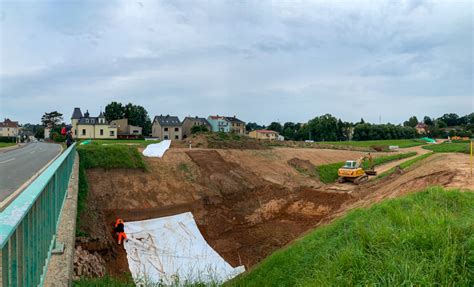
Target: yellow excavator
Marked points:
353	170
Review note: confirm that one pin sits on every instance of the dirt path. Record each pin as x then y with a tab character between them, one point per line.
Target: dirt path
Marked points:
418	149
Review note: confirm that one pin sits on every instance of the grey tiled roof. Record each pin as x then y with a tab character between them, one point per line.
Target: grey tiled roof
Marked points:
167	120
77	114
233	120
197	119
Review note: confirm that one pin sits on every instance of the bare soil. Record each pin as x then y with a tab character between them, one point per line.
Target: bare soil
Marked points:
247	203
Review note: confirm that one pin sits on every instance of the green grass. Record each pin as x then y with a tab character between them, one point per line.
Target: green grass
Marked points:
110	156
423	239
449	147
131	142
328	172
406	164
102	156
401	143
105	281
6	144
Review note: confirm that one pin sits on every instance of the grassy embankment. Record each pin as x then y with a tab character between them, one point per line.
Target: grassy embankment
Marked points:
107	157
327	173
462	147
423	239
6	144
131	142
405	165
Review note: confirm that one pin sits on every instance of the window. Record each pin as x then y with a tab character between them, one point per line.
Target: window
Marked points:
176	129
112	133
92	121
101	132
165	137
83	132
87	121
166	129
176	137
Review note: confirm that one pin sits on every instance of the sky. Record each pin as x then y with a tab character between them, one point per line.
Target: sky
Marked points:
262	61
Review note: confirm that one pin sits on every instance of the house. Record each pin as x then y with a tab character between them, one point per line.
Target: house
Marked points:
190	122
236	126
226	124
218	124
167	127
87	127
9	128
421	128
264	135
124	130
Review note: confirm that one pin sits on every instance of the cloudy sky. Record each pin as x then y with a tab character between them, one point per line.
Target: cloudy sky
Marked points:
259	60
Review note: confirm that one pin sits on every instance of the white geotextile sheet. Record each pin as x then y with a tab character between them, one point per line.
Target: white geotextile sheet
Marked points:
171	249
157	150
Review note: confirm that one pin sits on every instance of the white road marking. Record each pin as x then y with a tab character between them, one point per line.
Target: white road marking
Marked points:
32	152
5	161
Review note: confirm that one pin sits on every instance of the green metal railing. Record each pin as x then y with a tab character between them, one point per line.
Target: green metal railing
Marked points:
28	225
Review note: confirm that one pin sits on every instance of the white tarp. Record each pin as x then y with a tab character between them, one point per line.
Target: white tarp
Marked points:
171	249
157	150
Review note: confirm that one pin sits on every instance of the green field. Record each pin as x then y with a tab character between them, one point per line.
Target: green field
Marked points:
6	144
140	143
406	164
449	147
328	172
423	239
400	143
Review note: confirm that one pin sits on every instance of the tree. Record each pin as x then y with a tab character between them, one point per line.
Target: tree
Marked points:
253	126
412	122
39	134
114	111
274	126
198	129
51	119
323	128
136	115
428	121
450	119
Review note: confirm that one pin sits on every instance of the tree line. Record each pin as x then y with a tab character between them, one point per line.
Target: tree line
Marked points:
330	128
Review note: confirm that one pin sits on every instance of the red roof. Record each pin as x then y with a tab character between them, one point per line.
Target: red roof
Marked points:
421	126
266	132
7	123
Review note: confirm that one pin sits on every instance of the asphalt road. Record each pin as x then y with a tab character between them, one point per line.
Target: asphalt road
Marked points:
18	166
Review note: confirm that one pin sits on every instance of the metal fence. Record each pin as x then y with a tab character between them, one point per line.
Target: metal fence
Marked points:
28	225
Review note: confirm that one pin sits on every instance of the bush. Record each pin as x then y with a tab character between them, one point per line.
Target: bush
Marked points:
57	137
8	139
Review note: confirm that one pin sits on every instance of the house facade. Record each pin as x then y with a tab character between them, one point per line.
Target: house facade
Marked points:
421	128
9	128
236	126
124	130
167	128
264	135
190	122
87	127
219	124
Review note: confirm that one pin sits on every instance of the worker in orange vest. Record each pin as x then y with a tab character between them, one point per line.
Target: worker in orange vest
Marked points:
119	229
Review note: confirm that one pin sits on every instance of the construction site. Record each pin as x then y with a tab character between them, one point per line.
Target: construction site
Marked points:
247	202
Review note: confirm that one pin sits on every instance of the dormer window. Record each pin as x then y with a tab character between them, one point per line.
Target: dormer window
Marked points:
87	121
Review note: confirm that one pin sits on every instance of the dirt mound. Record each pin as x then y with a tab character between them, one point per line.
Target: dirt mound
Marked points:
302	165
220	141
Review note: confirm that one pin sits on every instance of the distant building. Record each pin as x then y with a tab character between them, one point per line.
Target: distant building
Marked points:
9	128
264	135
219	124
190	122
421	128
226	124
236	126
124	130
87	127
167	128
